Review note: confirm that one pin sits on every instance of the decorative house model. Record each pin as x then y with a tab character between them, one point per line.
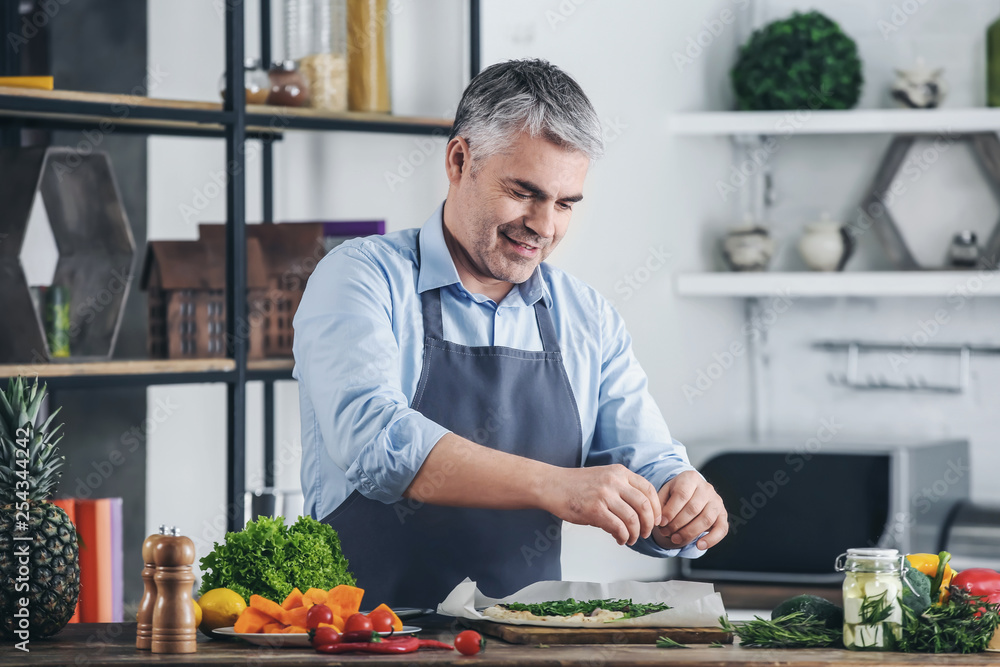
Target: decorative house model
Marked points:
186	282
186	285
291	252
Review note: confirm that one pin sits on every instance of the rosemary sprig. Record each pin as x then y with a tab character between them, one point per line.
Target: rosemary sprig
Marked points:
876	609
570	606
952	627
795	630
667	642
716	645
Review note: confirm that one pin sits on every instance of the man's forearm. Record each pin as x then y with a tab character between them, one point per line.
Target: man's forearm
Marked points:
459	472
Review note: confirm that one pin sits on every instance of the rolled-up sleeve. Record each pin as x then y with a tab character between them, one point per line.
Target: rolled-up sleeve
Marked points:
347	359
630	428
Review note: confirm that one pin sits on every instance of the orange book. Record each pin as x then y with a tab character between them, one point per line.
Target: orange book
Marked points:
94	525
69	506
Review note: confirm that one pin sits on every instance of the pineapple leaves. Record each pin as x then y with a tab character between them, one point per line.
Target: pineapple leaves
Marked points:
19	408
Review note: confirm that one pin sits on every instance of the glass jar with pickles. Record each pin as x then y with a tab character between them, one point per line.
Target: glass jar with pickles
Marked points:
873	587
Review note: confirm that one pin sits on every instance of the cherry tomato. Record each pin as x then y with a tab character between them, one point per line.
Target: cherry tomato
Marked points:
358	623
469	642
318	613
323	636
381	620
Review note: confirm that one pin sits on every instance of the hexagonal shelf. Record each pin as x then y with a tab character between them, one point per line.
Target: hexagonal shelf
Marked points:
986	149
95	244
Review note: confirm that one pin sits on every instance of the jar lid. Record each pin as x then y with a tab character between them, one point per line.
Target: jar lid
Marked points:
284	65
875	554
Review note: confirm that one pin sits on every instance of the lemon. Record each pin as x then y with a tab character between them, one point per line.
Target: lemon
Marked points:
220	607
197	613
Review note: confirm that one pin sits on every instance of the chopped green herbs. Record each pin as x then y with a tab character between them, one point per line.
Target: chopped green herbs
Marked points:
667	642
570	607
876	609
950	628
795	630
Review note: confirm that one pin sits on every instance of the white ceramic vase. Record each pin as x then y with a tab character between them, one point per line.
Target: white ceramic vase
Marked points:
824	246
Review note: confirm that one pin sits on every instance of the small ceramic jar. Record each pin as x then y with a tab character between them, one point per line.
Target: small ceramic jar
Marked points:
748	248
919	87
825	246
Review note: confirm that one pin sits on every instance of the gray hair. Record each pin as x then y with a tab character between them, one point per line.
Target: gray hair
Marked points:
530	96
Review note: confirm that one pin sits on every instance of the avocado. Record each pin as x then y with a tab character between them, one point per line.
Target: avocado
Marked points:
811	605
921	583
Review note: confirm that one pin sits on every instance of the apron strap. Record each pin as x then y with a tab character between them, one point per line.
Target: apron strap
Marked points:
546	328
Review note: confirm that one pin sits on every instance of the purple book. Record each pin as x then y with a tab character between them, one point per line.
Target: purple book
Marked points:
117	578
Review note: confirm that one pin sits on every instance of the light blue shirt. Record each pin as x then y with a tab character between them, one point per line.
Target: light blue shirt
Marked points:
358	350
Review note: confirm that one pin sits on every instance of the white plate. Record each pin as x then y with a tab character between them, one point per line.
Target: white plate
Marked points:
277	639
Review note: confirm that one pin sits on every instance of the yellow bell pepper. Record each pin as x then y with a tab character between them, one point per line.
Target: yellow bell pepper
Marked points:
928	564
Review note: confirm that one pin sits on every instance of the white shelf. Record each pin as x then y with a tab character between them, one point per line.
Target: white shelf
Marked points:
859	121
848	284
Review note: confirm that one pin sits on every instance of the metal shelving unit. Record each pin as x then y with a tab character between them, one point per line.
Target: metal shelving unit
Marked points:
236	123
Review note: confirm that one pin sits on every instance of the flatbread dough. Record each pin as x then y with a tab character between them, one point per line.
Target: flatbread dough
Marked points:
502	614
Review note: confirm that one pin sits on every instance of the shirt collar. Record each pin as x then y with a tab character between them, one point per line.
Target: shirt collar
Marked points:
437	269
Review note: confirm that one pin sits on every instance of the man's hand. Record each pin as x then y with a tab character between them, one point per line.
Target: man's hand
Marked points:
612	497
690	506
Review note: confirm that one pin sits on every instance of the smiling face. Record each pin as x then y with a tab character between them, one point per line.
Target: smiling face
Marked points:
506	218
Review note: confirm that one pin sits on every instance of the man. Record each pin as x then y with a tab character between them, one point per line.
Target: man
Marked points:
460	399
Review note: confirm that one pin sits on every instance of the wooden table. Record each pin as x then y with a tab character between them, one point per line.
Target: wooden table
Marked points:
88	644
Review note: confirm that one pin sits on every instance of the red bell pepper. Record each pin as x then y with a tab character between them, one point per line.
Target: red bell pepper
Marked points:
979	582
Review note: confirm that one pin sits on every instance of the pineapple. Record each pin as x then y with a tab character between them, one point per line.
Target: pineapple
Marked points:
53	582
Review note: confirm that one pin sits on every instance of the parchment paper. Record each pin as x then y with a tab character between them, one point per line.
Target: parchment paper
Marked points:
693	604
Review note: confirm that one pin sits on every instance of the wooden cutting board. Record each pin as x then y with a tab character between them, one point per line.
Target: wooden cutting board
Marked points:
534	634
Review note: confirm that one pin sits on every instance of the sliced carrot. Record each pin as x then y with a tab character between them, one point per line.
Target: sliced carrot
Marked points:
272	609
251	620
345	600
295	616
396	623
298	629
314	596
293	600
273	626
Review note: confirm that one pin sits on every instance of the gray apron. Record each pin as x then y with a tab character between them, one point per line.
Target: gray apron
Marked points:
515	401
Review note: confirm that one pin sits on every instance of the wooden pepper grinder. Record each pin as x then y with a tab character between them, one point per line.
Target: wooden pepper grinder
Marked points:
173	615
144	630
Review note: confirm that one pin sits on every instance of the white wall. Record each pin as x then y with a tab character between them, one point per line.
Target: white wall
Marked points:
652	194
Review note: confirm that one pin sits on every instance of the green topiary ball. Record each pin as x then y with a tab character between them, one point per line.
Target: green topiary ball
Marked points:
803	62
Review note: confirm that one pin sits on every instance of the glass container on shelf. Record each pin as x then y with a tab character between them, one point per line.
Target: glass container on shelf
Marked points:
873	587
288	86
367	58
316	38
993	64
254	80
